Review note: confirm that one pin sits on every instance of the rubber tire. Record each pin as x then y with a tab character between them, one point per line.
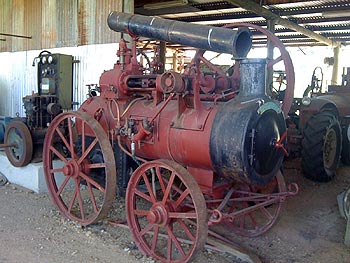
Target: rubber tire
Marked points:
313	143
345	153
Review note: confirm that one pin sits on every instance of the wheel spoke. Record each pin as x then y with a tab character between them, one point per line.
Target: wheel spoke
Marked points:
58	154
274	62
56	170
169	247
182	197
83	136
155	238
70	133
141	212
96	165
143	195
186	229
71	204
145	230
92	197
63	138
174	239
63	185
149	188
169	186
88	150
80	199
266	212
89	180
182	215
160	179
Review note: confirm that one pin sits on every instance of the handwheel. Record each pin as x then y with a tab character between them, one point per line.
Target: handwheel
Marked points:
256	221
284	56
82	185
18	136
165	209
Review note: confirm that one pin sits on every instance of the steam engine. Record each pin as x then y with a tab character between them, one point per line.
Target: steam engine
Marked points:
212	124
186	144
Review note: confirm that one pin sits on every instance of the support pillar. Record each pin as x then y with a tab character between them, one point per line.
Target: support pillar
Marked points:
128	7
270	47
335	71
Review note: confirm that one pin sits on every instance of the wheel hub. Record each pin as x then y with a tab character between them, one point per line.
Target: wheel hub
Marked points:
158	214
72	168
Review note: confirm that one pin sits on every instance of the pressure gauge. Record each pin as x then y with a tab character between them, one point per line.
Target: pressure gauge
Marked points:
44	60
50	59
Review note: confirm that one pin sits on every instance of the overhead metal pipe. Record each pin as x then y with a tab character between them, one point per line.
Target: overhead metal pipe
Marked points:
222	40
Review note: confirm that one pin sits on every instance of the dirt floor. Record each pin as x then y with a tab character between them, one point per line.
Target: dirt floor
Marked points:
310	229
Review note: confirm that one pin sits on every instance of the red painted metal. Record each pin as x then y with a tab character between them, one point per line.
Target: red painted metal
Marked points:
165	205
76	194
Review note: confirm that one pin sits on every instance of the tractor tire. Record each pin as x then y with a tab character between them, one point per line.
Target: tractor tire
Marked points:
321	147
345	152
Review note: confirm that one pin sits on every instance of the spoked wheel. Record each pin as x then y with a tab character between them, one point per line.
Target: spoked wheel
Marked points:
284	57
82	185
255	221
166	211
19	140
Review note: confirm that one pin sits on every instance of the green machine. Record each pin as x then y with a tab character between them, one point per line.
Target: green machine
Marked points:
24	137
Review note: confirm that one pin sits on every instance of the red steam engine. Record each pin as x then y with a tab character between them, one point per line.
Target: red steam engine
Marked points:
191	149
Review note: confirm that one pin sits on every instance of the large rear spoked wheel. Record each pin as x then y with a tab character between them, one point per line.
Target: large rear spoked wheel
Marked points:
82	182
261	212
166	211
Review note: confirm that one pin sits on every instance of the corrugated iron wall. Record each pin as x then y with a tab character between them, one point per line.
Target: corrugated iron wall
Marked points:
56	23
18	77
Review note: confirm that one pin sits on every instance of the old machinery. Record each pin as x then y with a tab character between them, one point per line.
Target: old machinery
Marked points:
192	149
318	127
24	137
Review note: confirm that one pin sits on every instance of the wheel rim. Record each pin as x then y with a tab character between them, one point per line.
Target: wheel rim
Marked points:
161	222
18	134
82	185
330	149
260	220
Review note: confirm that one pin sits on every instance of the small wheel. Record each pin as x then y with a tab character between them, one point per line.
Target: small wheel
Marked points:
18	134
261	219
3	179
321	147
164	208
82	185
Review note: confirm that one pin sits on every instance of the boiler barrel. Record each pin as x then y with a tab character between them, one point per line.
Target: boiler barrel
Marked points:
218	39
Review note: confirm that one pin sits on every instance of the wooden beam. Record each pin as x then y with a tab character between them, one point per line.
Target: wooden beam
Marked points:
252	6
